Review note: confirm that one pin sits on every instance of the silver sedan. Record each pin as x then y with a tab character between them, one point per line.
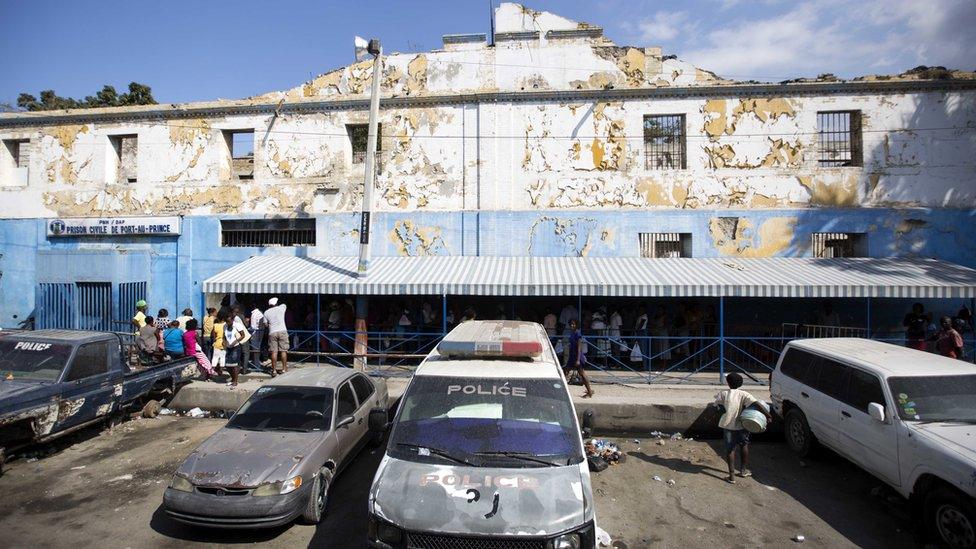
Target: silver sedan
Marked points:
277	456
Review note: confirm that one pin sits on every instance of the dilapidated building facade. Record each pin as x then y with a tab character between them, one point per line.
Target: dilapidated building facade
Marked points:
550	140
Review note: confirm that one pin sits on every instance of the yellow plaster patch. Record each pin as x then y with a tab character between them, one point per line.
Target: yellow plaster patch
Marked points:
842	193
771	238
417	74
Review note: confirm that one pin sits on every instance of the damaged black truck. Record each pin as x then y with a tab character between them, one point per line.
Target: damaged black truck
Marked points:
54	382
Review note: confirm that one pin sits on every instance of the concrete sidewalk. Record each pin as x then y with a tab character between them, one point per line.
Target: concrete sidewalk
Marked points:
632	408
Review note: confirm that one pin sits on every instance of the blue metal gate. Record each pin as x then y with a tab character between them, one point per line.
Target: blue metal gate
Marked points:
94	305
129	294
55	305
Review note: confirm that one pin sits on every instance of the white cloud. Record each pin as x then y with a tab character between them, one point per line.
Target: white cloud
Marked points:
767	40
663	26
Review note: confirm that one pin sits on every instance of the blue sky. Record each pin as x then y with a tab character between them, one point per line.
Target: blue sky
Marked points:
194	51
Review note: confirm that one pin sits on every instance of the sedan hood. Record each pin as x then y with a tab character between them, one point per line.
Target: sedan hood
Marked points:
236	458
960	437
480	500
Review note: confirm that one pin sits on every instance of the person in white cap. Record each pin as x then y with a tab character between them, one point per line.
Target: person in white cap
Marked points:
277	335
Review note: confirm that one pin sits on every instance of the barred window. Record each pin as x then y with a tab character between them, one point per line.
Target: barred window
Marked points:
359	138
827	245
664	142
238	233
665	244
839	135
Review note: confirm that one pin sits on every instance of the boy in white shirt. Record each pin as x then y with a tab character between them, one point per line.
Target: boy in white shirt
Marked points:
732	401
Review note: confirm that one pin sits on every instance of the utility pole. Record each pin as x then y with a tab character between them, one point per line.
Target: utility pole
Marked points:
373	48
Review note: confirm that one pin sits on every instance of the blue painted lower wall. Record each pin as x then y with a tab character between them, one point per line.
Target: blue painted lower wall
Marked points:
175	267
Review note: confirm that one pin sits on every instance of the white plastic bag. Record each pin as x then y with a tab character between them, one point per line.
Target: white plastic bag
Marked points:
635	353
603	538
559	347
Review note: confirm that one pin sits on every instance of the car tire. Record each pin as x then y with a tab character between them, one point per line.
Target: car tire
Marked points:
318	497
799	437
950	518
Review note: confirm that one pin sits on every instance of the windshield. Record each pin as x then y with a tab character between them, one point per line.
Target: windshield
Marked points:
278	408
935	398
487	422
21	359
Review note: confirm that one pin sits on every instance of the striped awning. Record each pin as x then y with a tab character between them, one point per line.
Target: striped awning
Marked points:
600	276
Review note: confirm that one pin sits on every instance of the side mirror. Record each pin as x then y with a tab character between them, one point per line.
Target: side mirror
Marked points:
344	420
379	420
877	412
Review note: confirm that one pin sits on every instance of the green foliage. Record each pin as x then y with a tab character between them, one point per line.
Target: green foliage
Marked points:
138	94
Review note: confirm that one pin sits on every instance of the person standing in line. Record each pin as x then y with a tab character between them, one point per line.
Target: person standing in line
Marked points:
258	325
234	335
615	323
139	319
183	318
162	319
277	335
916	323
549	323
948	342
242	338
207	332
577	358
732	402
192	348
219	360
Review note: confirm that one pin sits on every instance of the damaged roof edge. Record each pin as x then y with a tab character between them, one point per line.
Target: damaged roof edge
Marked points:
244	106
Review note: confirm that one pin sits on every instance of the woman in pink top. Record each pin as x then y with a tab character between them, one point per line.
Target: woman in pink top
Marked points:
192	348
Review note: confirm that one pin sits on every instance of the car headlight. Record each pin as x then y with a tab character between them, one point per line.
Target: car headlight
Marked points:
181	484
384	531
278	488
567	541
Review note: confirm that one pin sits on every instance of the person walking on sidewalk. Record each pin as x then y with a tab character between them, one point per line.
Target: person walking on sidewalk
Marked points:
277	335
577	358
257	326
732	401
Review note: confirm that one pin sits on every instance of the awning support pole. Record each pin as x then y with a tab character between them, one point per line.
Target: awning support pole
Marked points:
972	324
721	338
444	314
869	316
361	344
318	325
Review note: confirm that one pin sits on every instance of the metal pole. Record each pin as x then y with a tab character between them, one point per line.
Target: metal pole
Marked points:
318	325
444	314
721	339
869	317
374	109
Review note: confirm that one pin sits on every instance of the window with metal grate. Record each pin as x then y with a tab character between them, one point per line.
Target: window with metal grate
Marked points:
827	245
665	245
239	233
664	142
839	138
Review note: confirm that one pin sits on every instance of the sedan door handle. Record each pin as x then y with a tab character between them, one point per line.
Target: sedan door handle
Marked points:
360	421
804	395
845	414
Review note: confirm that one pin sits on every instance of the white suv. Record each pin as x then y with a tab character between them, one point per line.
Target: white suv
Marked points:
906	416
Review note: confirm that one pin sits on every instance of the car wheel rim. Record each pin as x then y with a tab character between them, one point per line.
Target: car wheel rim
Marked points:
796	434
955	527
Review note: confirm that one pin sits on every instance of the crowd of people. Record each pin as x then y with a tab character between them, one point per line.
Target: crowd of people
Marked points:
230	338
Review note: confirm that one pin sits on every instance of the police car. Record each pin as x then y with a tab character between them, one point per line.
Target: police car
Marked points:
485	448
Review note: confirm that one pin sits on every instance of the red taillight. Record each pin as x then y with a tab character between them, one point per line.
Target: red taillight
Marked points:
521	348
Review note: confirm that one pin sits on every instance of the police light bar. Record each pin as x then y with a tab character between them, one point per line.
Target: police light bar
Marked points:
493	338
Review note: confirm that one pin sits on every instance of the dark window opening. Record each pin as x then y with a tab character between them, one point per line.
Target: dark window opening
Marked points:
364	388
126	149
839	134
19	150
90	360
827	245
359	138
346	401
667	245
664	142
239	233
241	146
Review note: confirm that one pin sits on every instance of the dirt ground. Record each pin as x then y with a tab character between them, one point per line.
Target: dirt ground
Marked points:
105	490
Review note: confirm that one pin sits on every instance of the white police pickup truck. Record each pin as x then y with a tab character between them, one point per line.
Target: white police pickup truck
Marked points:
906	416
485	449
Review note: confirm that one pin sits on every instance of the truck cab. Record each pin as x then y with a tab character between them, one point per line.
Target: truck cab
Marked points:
485	448
53	382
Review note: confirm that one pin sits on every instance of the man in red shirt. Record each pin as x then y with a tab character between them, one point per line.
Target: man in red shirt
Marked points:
948	342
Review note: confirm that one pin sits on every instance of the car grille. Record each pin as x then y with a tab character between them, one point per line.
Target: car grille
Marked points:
209	490
438	541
